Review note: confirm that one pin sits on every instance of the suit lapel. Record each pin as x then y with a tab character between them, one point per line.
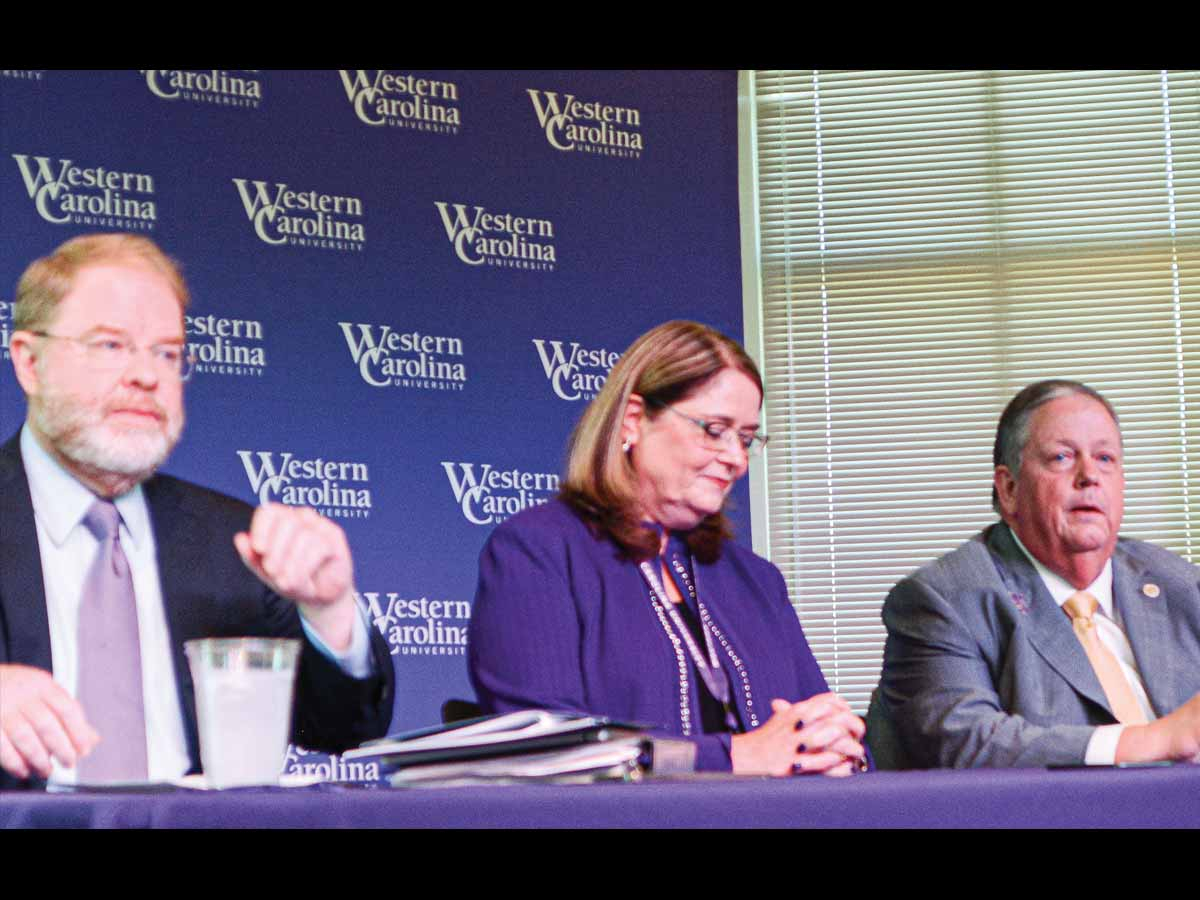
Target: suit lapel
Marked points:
711	586
1048	627
1147	626
24	626
178	541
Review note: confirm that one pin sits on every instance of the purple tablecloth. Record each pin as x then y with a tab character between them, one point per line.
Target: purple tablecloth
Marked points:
1150	797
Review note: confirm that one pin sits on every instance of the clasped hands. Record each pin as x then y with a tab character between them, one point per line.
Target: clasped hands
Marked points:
299	554
1176	736
819	734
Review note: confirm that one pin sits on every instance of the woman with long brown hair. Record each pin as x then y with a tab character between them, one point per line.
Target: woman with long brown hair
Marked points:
626	597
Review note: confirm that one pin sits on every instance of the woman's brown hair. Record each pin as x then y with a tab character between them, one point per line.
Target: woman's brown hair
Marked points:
663	366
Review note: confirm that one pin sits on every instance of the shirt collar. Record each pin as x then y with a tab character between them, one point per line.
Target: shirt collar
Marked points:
60	501
1061	589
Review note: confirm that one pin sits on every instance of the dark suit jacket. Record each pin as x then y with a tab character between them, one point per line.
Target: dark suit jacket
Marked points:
207	591
982	667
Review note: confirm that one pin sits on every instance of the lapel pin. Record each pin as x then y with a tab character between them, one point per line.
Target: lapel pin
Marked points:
1151	590
1019	601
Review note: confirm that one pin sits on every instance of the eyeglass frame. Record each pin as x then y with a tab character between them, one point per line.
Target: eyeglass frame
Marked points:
187	360
758	441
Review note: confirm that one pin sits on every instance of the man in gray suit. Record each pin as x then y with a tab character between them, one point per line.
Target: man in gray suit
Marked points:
1045	639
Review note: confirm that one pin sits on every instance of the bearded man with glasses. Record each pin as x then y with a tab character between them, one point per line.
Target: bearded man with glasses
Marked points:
99	350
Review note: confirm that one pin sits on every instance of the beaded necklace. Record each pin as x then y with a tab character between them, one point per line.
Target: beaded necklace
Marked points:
680	635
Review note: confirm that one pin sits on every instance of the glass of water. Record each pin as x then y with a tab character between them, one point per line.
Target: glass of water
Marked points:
244	694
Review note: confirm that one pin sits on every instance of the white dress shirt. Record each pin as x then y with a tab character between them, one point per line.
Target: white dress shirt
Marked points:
1102	748
67	549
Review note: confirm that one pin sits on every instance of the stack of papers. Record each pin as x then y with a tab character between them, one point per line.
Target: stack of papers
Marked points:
614	760
527	745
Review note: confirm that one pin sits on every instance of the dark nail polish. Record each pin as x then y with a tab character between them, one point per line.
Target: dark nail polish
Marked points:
802	748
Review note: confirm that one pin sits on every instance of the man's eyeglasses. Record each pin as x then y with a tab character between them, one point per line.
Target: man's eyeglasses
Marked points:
718	433
111	353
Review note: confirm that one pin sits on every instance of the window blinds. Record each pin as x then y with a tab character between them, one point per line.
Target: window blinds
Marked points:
928	244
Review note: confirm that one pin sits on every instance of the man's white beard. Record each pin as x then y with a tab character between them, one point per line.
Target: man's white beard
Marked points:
82	436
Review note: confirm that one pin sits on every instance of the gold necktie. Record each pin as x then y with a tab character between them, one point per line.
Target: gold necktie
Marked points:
1081	607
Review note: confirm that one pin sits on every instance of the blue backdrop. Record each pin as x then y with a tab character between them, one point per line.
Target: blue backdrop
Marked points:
406	284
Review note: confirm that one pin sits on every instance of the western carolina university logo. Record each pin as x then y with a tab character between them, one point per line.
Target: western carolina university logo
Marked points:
63	192
388	358
419	627
498	239
226	346
281	215
402	100
336	490
205	86
5	326
489	495
574	372
587	127
327	767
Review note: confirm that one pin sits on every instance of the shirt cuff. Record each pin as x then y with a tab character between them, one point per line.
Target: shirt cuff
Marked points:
357	661
713	752
1102	748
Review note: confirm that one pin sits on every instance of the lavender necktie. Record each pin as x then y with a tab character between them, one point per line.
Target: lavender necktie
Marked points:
110	659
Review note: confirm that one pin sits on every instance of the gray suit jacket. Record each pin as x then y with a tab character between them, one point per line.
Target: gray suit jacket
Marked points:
982	668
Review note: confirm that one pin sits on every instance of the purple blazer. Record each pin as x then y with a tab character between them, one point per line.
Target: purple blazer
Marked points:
562	622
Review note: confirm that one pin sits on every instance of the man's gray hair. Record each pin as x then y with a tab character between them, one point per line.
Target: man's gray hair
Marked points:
1012	434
